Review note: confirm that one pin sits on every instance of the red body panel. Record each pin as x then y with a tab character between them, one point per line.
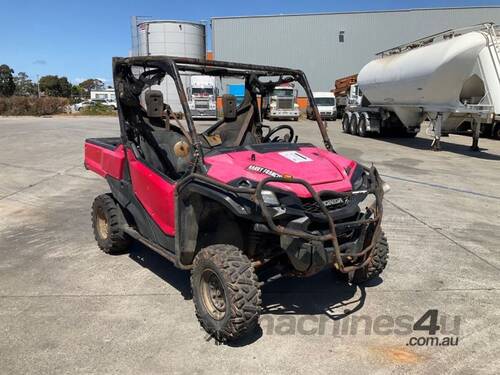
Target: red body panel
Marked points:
155	194
104	161
322	169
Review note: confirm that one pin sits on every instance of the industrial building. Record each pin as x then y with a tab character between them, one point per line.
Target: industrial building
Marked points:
331	45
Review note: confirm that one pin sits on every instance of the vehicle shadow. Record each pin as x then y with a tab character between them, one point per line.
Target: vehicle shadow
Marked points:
425	144
324	294
162	268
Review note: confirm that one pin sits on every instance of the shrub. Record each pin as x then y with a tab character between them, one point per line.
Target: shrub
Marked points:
32	106
98	110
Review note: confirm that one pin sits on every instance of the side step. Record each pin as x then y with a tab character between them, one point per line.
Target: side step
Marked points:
153	246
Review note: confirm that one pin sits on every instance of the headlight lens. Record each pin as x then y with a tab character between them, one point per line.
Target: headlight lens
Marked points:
270	199
358	178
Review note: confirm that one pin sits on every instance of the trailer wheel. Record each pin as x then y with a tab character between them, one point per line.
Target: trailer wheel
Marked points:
108	223
353	125
496	131
226	292
345	124
362	126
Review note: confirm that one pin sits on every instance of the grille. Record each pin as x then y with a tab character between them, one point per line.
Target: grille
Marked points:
284	103
311	206
201	104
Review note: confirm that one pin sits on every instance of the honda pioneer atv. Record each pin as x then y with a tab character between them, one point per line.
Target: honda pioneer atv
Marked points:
234	199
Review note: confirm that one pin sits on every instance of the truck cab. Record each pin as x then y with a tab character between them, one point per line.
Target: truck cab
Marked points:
202	97
326	103
281	104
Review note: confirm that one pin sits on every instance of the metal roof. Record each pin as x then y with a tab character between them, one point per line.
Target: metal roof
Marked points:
356	12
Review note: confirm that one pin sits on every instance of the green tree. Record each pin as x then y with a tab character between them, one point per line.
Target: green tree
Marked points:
91	84
24	85
55	86
7	85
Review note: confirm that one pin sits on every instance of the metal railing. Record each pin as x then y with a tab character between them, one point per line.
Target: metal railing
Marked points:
444	35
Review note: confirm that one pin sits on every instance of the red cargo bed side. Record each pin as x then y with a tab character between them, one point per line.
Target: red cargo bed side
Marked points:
105	156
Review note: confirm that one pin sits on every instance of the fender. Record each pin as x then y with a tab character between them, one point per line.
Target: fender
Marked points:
189	204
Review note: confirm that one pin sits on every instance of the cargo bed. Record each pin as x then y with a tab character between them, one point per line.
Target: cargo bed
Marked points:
105	156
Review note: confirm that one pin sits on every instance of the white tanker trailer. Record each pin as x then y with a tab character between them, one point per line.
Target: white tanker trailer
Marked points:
451	78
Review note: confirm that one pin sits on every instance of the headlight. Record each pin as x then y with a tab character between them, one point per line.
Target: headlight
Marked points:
386	187
270	199
358	178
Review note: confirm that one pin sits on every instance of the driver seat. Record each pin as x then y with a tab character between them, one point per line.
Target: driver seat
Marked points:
164	136
236	122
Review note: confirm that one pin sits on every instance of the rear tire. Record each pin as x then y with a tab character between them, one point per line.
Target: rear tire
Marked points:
226	292
496	131
346	124
354	124
108	223
362	127
377	264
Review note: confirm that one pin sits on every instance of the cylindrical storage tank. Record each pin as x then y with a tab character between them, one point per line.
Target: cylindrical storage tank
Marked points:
431	76
171	38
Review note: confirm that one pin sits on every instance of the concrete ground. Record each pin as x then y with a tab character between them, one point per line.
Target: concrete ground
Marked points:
66	307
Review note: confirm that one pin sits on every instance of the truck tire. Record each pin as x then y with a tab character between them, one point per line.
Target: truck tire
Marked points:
353	124
362	126
377	264
496	131
108	223
346	124
226	292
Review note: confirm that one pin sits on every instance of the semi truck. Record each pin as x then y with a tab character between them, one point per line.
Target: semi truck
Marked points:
202	97
281	104
451	79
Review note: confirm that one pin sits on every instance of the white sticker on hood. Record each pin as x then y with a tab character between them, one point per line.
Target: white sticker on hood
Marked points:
295	156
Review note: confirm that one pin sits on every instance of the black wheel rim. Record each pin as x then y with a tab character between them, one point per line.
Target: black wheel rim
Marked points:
213	295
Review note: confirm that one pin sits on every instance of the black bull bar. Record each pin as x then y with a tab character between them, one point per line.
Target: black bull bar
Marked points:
373	217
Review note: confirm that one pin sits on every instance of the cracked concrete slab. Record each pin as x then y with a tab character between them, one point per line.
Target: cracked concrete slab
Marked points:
66	307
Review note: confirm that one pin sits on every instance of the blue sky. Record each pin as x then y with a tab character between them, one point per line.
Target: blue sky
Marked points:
77	39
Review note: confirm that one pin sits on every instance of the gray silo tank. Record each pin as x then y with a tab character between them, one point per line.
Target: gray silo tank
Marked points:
172	38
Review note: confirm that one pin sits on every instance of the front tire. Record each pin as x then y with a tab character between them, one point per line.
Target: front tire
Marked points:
377	264
226	292
108	223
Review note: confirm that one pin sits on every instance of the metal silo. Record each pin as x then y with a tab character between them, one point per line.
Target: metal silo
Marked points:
172	38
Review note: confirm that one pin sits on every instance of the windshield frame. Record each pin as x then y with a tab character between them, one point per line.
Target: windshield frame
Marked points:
174	65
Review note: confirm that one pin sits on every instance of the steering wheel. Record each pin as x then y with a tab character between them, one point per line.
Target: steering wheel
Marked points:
290	134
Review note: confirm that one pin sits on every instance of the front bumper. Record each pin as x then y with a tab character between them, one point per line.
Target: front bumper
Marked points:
283	113
328	115
346	245
204	113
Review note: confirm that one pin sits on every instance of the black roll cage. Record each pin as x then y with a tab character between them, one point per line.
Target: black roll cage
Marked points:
174	65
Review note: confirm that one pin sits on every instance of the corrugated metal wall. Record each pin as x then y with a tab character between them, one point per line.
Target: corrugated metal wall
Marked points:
311	42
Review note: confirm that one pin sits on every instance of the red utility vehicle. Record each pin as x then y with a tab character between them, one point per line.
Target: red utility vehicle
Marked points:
235	199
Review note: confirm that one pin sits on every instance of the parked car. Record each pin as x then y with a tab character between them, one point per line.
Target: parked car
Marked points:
106	102
94	102
84	104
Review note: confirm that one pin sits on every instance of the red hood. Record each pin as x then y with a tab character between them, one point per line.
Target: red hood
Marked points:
322	169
